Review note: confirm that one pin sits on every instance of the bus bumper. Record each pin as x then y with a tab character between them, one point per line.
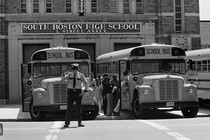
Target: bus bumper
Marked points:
55	108
170	104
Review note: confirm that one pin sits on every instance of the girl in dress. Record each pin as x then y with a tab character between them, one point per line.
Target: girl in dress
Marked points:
98	95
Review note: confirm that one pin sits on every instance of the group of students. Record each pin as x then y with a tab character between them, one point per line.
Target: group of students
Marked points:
107	93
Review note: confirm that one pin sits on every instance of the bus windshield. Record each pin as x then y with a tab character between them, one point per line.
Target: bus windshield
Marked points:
56	69
158	66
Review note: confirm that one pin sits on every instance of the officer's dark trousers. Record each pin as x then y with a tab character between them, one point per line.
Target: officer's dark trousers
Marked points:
71	97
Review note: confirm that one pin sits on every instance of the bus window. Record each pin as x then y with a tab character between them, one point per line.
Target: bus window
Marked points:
204	65
158	65
193	65
198	65
56	69
50	70
83	68
39	71
208	65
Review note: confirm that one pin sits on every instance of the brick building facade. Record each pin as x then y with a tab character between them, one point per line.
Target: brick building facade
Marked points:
23	21
205	33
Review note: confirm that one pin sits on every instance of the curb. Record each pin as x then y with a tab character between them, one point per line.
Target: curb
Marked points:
14	113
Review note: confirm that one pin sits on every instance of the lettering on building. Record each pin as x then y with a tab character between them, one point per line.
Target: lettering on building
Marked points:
82	28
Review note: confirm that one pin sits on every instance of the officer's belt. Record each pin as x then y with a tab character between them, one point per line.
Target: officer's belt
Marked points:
74	89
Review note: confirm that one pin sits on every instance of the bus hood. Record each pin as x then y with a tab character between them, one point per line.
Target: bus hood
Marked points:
148	80
46	82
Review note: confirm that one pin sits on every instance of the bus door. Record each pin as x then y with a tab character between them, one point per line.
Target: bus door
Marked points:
26	89
124	84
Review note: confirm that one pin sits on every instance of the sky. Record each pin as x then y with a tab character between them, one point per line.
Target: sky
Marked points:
204	9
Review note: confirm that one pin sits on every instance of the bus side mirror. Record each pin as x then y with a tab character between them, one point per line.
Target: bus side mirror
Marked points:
29	68
190	65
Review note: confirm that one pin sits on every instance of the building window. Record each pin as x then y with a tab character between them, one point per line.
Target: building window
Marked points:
126	5
68	6
35	6
113	6
139	7
94	6
81	6
178	16
48	6
23	6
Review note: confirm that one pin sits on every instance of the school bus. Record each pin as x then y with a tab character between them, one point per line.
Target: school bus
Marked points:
47	92
200	73
151	76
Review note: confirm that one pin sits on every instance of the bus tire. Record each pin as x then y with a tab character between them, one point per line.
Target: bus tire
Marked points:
92	114
136	108
190	112
36	116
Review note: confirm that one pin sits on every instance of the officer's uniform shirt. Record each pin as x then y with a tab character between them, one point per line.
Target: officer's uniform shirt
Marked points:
81	81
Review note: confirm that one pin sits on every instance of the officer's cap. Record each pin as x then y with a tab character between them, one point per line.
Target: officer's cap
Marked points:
75	66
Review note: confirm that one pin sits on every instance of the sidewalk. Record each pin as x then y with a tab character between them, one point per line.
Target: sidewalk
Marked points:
14	112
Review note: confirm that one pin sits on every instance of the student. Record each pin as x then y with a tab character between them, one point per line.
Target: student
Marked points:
116	95
98	95
107	91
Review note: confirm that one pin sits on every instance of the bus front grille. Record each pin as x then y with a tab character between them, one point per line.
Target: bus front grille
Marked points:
169	90
60	91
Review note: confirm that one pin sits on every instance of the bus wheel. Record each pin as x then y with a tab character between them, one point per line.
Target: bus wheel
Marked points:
36	115
136	107
190	112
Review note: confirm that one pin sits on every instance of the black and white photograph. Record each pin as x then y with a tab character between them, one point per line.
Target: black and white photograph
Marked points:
104	69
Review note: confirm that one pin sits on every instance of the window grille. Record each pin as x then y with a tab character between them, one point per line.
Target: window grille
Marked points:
35	6
126	5
94	6
139	7
48	6
113	6
23	6
178	16
68	6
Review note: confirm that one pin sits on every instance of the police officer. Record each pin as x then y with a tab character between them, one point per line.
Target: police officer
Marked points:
74	92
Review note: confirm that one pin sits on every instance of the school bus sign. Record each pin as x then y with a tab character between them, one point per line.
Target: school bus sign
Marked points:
82	28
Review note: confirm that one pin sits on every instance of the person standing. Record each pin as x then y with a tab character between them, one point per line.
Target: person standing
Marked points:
98	95
92	81
104	94
76	80
116	95
107	91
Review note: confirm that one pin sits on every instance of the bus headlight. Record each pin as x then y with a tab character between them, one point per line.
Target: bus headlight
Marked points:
146	92
191	91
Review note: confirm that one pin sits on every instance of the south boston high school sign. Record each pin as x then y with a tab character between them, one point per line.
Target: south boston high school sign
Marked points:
82	28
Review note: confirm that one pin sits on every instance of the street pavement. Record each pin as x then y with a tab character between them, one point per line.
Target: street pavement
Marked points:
13	112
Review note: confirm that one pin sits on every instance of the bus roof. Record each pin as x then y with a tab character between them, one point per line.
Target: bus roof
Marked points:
198	54
59	54
58	48
127	53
